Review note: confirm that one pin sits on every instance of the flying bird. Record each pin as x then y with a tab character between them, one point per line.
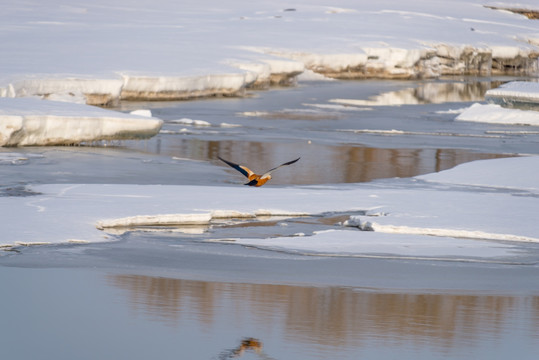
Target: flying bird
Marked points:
254	179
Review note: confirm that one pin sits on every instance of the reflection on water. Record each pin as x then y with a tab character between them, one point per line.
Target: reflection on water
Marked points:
247	344
427	93
335	319
323	164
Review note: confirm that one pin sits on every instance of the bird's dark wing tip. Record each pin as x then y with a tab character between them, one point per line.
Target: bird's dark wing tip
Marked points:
235	166
291	162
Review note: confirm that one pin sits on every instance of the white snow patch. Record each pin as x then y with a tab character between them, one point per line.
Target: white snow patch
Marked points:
495	114
30	121
254	113
167	52
227	214
186	121
505	209
513	173
309	75
155	220
451	111
229	125
368	225
142	112
67	89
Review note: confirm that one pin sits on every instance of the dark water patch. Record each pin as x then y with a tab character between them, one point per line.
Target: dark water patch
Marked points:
17	191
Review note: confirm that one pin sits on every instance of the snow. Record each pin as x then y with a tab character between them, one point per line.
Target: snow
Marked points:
510	173
464	213
103	51
495	114
501	102
31	121
186	121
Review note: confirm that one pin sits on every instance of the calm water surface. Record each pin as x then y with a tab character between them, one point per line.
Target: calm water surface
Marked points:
86	314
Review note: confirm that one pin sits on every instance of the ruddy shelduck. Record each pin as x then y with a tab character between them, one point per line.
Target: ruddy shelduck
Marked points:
254	179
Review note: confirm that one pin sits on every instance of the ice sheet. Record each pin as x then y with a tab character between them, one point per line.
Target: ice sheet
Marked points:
31	121
495	114
451	203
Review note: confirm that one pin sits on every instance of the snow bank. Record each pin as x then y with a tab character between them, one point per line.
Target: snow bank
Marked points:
103	51
464	212
517	93
183	88
358	222
90	91
511	173
190	219
155	220
31	121
495	114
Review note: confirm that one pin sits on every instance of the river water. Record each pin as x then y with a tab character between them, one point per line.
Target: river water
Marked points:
169	296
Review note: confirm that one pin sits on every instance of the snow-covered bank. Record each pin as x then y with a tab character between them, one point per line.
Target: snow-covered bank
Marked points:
495	114
164	50
31	121
469	207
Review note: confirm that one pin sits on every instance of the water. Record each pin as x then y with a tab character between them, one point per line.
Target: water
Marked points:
172	294
337	145
87	315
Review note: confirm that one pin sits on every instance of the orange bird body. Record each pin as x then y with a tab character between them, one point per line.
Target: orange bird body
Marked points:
255	179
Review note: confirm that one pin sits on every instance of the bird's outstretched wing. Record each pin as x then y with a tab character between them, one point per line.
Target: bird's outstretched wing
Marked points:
242	169
286	163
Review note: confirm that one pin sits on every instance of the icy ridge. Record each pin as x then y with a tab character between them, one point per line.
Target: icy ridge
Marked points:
430	61
190	219
102	51
105	92
366	225
370	62
31	121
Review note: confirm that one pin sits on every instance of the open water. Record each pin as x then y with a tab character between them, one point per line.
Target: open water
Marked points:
153	295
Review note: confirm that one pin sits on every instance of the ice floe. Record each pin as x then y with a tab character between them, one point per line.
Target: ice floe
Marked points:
510	173
31	121
377	245
513	103
186	121
462	212
495	114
